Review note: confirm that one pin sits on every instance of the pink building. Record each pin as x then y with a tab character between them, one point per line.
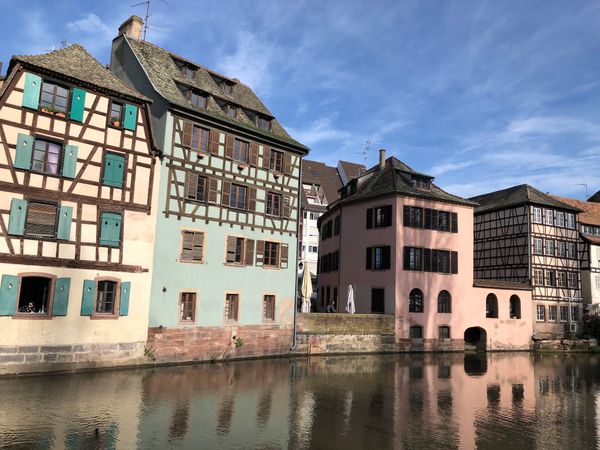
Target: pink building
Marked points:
406	247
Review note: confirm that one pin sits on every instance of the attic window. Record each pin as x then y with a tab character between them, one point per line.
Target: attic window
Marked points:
227	88
225	85
187	70
421	183
228	108
196	98
263	123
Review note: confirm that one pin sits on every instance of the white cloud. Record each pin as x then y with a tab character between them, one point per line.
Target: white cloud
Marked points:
321	130
91	24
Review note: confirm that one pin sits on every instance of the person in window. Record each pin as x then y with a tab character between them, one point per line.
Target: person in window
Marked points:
30	308
330	307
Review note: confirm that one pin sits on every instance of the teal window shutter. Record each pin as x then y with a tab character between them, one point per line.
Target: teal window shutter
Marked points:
130	120
77	104
124	302
88	298
31	94
16	220
110	230
114	170
65	218
9	288
69	161
23	151
61	297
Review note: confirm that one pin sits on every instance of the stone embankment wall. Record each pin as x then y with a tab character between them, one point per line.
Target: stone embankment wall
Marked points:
55	358
566	345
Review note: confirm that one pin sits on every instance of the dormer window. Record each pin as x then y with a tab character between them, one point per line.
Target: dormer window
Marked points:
231	111
421	183
263	123
187	70
226	88
196	98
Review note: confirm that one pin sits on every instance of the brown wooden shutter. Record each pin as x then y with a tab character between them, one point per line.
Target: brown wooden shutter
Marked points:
230	252
229	146
454	222
434	261
253	154
187	134
387	215
213	186
369	218
225	193
406	257
187	245
191	185
249	252
214	142
251	203
287	164
428	219
266	162
369	258
427	259
406	219
260	252
287	206
386	257
284	256
454	262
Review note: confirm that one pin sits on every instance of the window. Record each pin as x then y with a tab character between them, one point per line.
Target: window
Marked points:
548	217
195	187
549	247
443	221
444	332
379	217
538	277
444	302
537	215
378	258
187	307
110	229
114	170
336	226
537	246
571	250
263	123
551	313
564	313
106	297
550	278
53	98
195	137
46	157
575	313
540	313
561	249
226	88
240	151
269	307
116	114
415	301
198	100
271	254
239	251
413	217
41	220
192	246
515	307
416	332
571	221
273	204
560	219
561	279
491	306
186	70
35	295
377	301
572	280
442	265
237	198
276	161
598	282
421	183
231	306
414	257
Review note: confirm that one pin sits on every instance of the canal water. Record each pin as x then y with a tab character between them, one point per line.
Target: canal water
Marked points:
494	401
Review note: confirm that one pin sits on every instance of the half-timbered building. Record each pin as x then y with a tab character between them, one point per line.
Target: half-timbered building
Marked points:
524	235
76	229
225	257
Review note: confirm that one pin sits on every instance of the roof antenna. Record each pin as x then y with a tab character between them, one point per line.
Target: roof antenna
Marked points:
585	185
365	151
148	14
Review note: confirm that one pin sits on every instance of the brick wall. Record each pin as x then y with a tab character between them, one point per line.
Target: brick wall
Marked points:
345	323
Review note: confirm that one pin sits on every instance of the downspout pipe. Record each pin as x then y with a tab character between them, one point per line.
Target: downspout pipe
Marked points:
294	341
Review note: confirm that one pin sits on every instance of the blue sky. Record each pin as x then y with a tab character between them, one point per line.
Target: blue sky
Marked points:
483	95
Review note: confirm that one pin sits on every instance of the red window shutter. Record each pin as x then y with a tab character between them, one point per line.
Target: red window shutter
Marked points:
266	162
260	252
212	190
249	250
229	146
214	142
287	164
284	256
253	154
187	134
225	193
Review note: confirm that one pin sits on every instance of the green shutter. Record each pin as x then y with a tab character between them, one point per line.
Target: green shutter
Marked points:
65	218
114	169
16	220
69	161
23	152
88	297
31	94
61	297
124	301
110	229
77	104
9	287
130	120
115	231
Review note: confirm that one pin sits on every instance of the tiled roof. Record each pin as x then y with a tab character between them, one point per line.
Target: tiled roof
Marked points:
165	75
352	170
517	195
502	284
592	238
590	214
327	177
75	63
394	179
595	197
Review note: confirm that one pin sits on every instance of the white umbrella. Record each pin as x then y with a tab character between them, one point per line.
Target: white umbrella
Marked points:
306	289
350	309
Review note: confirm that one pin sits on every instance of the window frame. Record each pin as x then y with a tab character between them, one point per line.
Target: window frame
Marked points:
538	246
110	117
116	302
204	184
52	109
445	328
552	313
538	309
276	254
548	217
415	327
237	151
265	307
416	305
230	296
234	199
270	209
61	155
276	159
36	316
537	215
185	305
564	317
181	249
441	300
27	235
491	306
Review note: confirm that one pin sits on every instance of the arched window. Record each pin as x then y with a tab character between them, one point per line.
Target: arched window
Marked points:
515	307
491	306
415	301
444	332
416	332
444	302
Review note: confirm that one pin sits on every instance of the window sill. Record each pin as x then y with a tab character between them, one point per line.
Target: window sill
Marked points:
264	266
100	316
187	322
191	262
64	115
114	127
32	316
234	264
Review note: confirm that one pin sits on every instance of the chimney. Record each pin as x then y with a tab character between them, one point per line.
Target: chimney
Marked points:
381	158
132	28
